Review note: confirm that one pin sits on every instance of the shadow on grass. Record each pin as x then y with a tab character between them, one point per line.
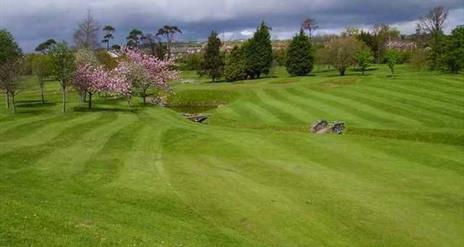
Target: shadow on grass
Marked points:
100	109
34	104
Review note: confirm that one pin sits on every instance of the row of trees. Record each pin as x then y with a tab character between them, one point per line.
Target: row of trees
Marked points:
353	48
133	74
251	60
87	32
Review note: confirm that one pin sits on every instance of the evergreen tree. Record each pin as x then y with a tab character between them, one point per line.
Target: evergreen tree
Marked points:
9	49
258	52
235	68
213	60
454	54
300	55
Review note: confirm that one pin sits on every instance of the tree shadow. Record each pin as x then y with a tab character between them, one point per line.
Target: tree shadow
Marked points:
34	104
99	109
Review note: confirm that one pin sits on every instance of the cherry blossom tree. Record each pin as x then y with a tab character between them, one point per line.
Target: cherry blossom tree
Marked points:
143	71
93	79
137	73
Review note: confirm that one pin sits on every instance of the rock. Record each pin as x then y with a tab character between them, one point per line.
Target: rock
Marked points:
323	127
338	127
319	125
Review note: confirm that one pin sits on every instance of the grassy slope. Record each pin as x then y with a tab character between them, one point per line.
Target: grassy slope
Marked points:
252	177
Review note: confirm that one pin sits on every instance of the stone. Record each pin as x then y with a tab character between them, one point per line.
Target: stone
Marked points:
319	126
323	127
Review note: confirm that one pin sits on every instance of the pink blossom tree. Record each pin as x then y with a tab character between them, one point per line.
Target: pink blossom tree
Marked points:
136	74
93	79
144	71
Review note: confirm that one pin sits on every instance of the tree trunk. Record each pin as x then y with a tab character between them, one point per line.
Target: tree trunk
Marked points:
7	99
129	99
342	72
90	100
63	88
168	47
144	97
13	103
42	92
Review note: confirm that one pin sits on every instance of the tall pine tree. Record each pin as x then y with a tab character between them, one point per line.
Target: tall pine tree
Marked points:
258	52
300	55
235	68
213	60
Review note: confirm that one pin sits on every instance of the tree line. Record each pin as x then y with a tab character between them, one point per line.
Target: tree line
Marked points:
352	48
92	70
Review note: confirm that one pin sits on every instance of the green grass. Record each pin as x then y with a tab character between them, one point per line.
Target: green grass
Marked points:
253	176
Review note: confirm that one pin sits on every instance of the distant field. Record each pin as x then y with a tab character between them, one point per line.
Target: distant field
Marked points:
252	176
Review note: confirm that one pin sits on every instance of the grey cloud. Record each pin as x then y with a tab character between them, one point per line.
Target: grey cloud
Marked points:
32	21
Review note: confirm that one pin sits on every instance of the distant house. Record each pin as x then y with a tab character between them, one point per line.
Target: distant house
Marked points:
184	49
402	45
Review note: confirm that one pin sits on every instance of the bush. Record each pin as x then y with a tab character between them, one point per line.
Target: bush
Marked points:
190	62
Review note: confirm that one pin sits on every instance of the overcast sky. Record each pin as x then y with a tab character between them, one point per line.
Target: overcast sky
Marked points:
33	21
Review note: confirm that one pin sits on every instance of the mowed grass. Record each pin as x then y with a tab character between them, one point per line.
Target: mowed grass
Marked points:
253	176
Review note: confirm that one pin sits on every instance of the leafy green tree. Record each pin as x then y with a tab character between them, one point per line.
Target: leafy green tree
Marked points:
169	33
258	52
433	24
109	30
300	57
391	58
153	42
364	58
341	53
42	69
63	67
10	74
134	38
454	54
9	49
85	56
9	53
44	47
382	33
235	68
213	61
